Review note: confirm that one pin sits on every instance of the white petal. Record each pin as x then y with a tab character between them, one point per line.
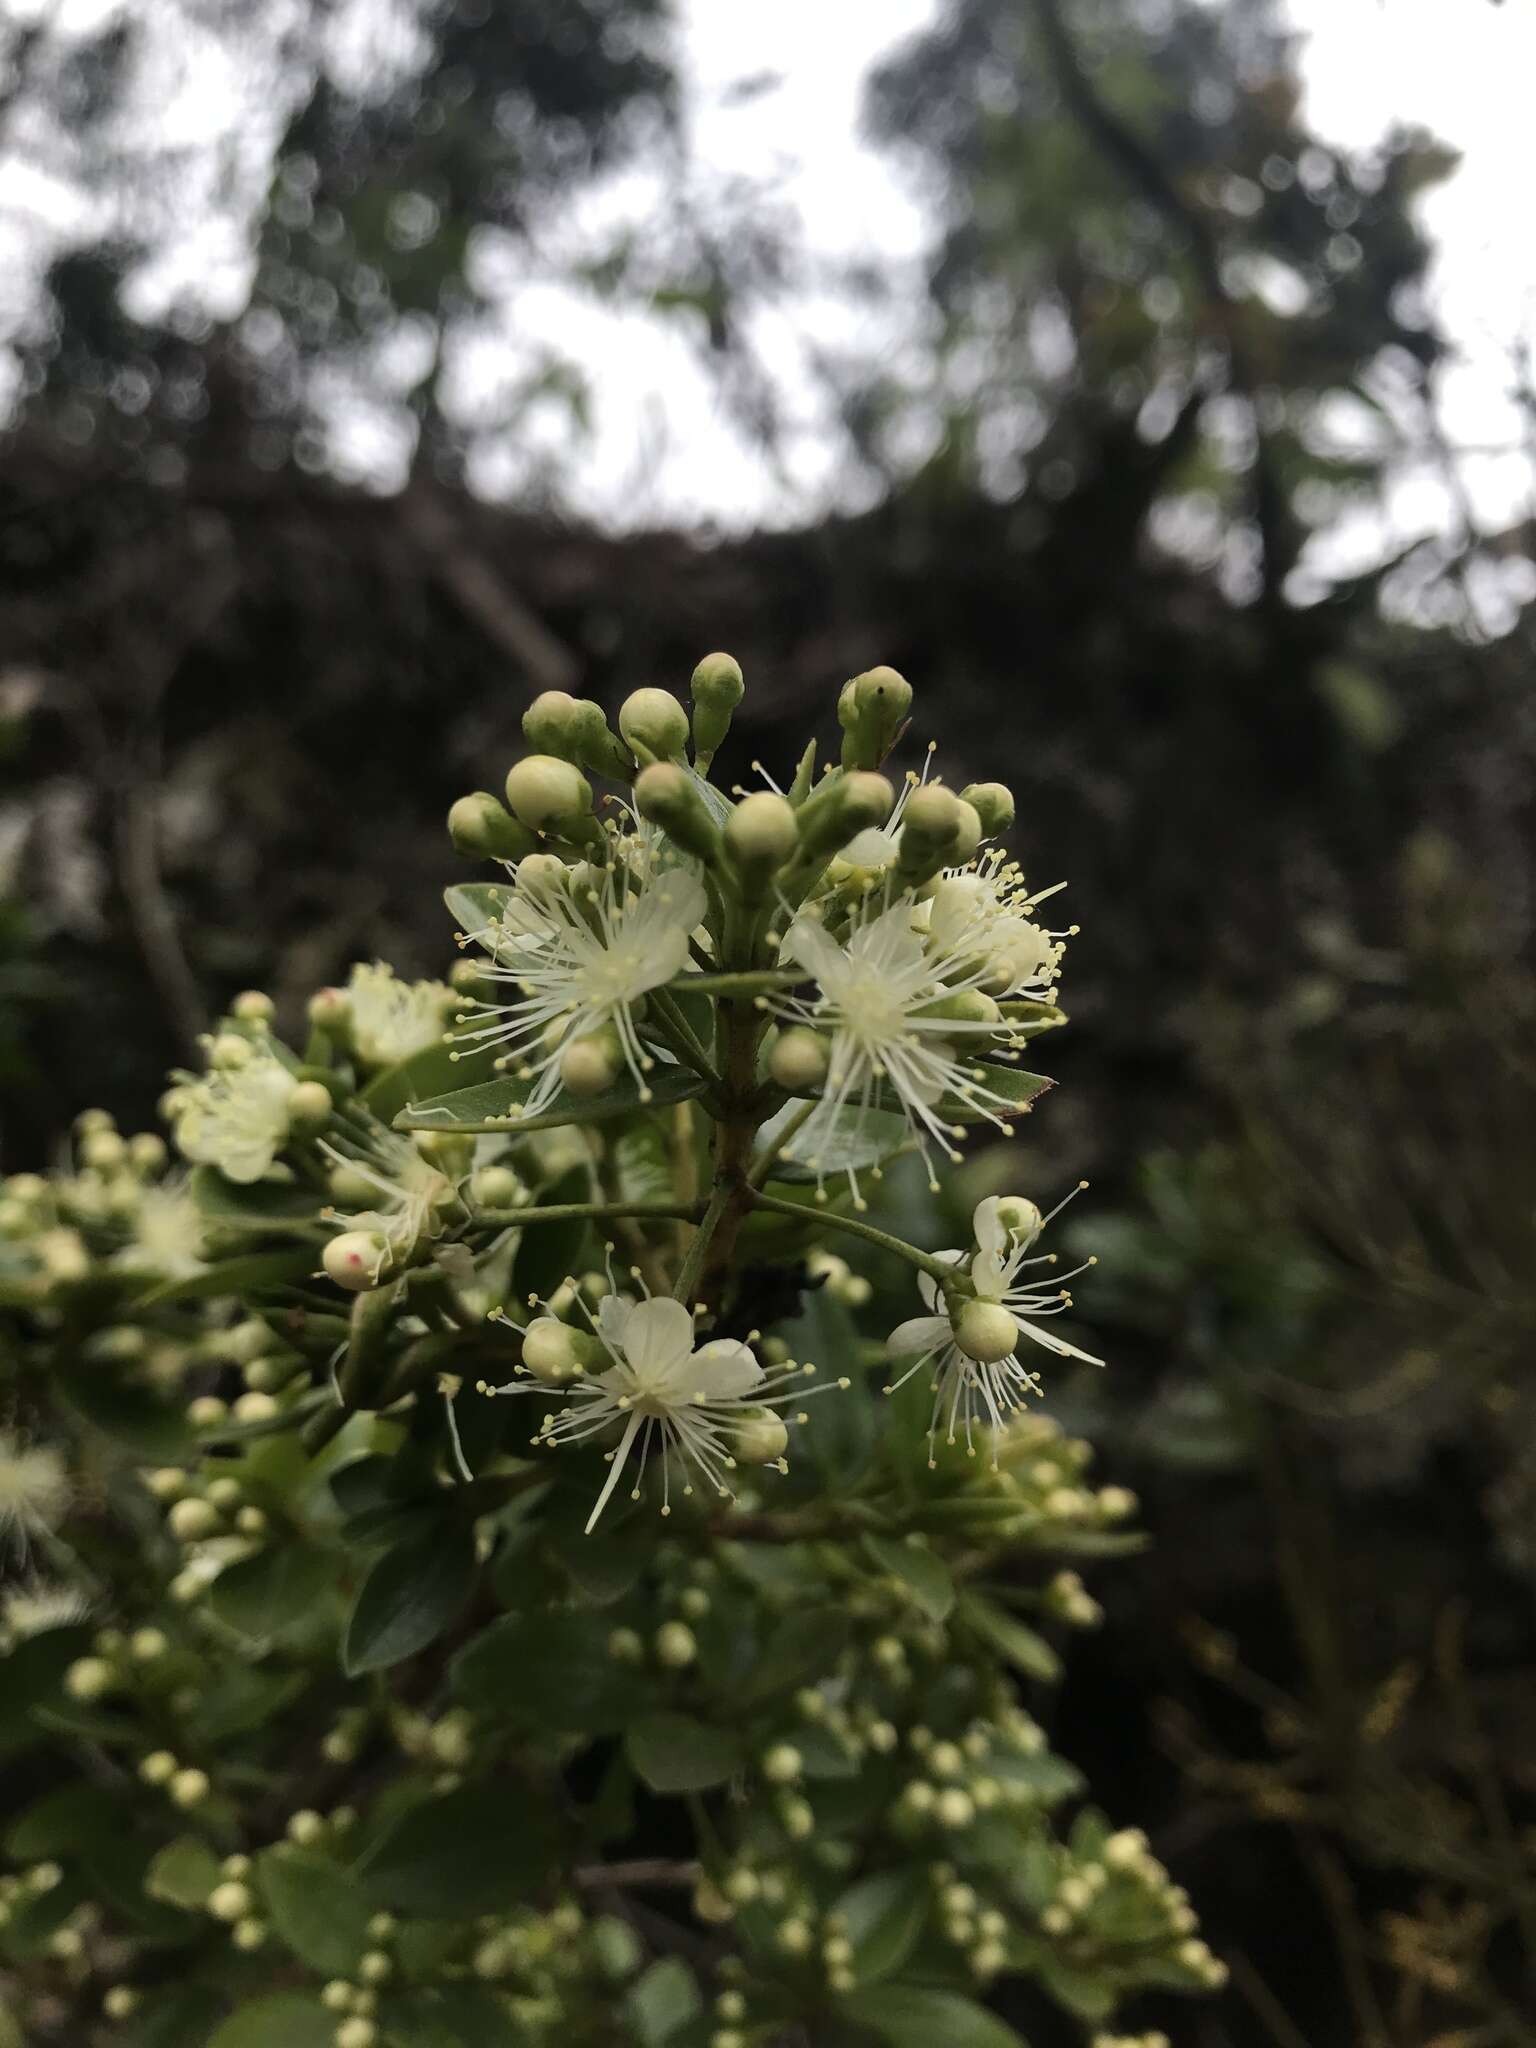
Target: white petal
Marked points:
658	1335
613	1313
989	1276
991	1236
918	1334
928	1287
725	1368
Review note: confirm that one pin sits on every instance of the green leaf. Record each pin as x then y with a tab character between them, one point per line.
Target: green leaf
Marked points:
409	1598
641	1161
550	1670
283	1591
433	1071
923	1572
59	1822
32	1675
317	1907
675	1753
1024	1647
286	2020
666	1998
182	2016
480	1849
242	1697
453	2016
913	2016
183	1873
804	1647
263	1205
885	1915
247	1274
848	1138
497	1105
131	1416
1086	1992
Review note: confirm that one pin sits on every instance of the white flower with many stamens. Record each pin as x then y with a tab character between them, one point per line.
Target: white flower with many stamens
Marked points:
236	1117
33	1610
168	1233
583	946
392	1019
897	1007
701	1404
34	1490
416	1203
986	914
972	1342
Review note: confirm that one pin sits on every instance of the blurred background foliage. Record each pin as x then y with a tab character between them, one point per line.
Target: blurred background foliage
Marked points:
1170	338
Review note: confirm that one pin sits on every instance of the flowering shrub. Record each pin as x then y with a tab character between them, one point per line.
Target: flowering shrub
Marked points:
348	1699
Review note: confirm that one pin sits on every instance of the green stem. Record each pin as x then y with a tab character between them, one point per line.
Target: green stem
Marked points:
562	1212
831	1220
698	1251
676	1029
758	1172
753	982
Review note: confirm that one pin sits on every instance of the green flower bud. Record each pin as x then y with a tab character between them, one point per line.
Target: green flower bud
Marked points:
481	828
839	810
760	1438
89	1678
555	1353
591	1065
356	2032
799	1059
230	1902
654	725
158	1768
148	1645
970	835
782	1764
992	803
985	1331
546	793
146	1154
761	836
103	1151
192	1521
119	2002
355	1260
190	1788
253	1006
716	689
225	1495
872	710
494	1187
330	1010
351	1189
676	1645
931	829
309	1108
574	729
669	796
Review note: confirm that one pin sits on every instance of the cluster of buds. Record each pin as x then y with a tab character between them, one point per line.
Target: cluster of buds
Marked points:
1121	1898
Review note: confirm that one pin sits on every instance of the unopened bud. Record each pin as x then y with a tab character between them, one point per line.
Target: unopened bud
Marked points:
668	795
355	1260
253	1006
547	793
654	725
309	1107
761	836
931	827
494	1187
230	1902
676	1646
591	1065
799	1059
992	803
872	709
969	837
330	1010
190	1788
985	1331
760	1438
716	689
191	1521
575	729
89	1678
843	807
782	1764
481	828
103	1151
146	1154
555	1353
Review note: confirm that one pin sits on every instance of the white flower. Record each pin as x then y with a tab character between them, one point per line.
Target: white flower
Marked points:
34	1488
167	1231
985	914
415	1201
693	1402
392	1019
1002	1310
887	997
236	1117
583	946
33	1610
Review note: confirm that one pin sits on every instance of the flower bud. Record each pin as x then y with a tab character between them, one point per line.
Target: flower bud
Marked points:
1020	1217
89	1678
330	1010
494	1187
253	1006
158	1768
230	1902
355	1260
781	1764
760	1438
190	1788
761	836
309	1108
119	2002
930	826
356	2032
591	1065
146	1154
546	793
675	1645
985	1331
482	829
104	1151
192	1521
969	836
147	1645
668	794
574	729
992	803
654	725
799	1059
872	710
716	689
555	1353
840	809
